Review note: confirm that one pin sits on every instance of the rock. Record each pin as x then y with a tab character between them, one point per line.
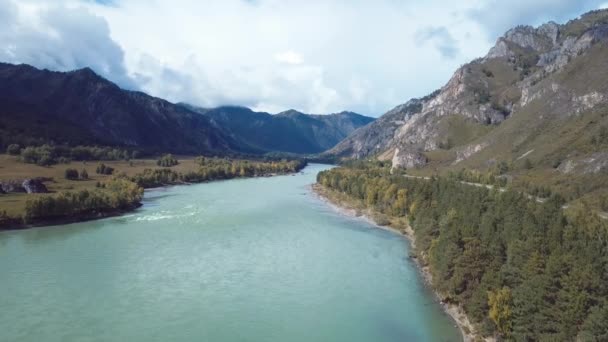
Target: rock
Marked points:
587	101
501	49
408	159
550	30
468	151
34	186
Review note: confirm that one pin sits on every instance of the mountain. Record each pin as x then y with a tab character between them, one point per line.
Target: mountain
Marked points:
289	131
537	103
81	107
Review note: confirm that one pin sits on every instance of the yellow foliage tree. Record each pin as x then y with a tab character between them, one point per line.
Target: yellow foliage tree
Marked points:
500	309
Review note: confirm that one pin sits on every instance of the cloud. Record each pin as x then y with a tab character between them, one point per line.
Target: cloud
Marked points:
316	56
441	37
61	38
497	16
289	57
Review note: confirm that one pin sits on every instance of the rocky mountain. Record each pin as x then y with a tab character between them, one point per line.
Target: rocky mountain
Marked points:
539	92
534	110
290	131
81	107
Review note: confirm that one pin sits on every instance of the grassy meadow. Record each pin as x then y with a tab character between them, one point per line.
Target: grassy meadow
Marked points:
12	168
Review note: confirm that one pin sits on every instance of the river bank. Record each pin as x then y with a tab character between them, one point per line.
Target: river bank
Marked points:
148	179
351	207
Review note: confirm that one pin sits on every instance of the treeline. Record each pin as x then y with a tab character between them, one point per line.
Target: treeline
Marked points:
522	270
216	169
46	155
494	177
116	194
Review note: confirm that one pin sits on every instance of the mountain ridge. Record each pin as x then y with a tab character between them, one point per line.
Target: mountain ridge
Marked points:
289	131
81	107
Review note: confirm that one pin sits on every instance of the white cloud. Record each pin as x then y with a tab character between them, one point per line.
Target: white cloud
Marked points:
289	57
441	37
498	16
315	56
60	38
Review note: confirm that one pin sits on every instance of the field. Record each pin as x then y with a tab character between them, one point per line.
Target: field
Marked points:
11	168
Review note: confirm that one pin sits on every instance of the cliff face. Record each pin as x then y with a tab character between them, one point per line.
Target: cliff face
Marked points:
532	80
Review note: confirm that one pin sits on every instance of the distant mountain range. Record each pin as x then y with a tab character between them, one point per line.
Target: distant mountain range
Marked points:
81	107
289	131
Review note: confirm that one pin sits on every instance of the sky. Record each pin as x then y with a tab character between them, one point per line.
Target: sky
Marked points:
270	55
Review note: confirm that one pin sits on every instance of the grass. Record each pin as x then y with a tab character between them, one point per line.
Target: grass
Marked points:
458	130
11	168
576	27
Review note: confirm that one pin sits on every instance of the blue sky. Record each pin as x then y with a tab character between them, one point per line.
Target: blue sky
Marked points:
315	56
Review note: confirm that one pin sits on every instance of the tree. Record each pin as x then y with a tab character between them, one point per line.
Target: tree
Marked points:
167	161
13	149
103	169
71	174
500	302
595	327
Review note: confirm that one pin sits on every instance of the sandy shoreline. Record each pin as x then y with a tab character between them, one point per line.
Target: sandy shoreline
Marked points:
454	311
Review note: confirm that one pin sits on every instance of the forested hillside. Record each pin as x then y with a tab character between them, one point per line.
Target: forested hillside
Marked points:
521	269
82	108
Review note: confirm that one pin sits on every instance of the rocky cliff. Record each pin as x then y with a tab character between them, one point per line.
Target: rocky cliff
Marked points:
532	83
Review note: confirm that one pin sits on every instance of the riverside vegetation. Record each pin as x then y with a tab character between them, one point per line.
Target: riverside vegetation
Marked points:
115	186
520	269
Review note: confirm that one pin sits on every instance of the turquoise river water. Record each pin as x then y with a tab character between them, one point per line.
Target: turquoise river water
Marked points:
242	260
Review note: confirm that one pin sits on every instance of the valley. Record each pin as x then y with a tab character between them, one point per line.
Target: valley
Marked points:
202	218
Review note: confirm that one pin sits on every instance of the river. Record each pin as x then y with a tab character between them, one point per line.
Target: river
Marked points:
259	259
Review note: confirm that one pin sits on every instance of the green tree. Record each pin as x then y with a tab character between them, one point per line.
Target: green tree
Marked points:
167	161
71	174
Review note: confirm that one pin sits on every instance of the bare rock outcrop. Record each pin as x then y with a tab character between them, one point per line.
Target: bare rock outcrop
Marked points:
408	159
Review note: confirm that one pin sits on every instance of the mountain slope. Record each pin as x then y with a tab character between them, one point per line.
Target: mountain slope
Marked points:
290	131
536	104
80	107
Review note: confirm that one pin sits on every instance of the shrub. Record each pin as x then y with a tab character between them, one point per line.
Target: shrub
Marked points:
84	174
71	174
13	149
167	161
103	169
